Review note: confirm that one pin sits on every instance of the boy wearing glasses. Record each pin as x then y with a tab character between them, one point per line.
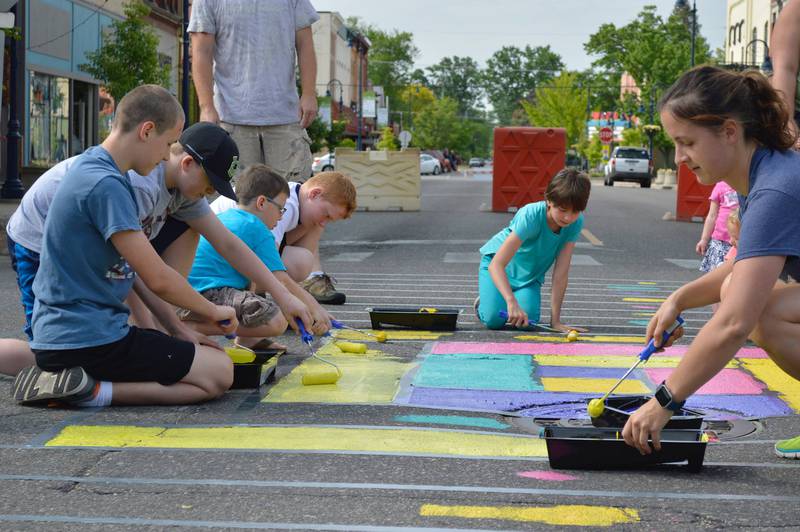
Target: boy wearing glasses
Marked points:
262	196
325	198
172	210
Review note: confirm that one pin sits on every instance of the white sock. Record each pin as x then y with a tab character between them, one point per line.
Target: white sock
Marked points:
101	398
314	274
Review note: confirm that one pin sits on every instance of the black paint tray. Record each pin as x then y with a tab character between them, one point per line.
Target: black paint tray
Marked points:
254	374
414	318
603	448
619	407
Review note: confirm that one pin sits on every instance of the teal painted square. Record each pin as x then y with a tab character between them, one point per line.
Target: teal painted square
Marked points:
479	372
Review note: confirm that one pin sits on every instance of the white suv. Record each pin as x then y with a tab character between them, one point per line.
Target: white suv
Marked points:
629	163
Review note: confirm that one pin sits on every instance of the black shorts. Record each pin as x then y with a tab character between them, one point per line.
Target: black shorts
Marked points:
170	232
144	355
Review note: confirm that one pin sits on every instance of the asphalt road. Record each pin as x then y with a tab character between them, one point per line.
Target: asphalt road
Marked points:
377	464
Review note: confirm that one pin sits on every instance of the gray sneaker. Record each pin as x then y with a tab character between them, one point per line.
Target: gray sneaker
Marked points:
34	385
323	290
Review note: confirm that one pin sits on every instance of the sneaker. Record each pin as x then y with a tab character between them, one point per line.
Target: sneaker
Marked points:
322	288
34	385
788	448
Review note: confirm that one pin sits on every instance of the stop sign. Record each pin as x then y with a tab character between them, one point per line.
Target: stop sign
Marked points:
606	135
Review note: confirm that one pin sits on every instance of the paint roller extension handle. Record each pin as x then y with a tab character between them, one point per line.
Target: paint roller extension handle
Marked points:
503	314
651	345
307	337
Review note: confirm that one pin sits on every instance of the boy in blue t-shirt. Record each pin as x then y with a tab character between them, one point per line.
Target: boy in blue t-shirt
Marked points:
515	260
92	250
262	195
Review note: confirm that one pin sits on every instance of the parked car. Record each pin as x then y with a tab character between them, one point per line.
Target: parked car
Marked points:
476	162
629	163
428	164
444	162
324	163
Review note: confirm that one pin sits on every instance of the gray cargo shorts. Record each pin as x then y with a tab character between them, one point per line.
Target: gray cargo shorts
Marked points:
252	310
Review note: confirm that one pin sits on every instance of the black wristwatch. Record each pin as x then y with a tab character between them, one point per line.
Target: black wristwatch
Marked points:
664	398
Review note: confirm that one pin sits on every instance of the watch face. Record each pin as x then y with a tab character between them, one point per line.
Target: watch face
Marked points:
663	396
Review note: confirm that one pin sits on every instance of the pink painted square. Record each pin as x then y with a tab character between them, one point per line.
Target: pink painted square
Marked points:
726	382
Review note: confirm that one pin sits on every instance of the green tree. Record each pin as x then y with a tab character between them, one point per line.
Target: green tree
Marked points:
347	143
561	103
512	75
129	54
317	131
474	139
633	136
324	136
391	56
594	152
436	125
601	87
335	133
652	50
413	98
387	141
458	78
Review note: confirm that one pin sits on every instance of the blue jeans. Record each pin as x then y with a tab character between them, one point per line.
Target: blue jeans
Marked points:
492	302
25	264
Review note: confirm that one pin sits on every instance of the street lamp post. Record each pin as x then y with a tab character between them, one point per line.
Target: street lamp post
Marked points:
12	186
766	64
684	4
334	82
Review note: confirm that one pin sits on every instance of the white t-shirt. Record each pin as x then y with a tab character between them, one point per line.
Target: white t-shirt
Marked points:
289	220
153	201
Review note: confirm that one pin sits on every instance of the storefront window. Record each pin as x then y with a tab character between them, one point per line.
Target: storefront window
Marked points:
49	119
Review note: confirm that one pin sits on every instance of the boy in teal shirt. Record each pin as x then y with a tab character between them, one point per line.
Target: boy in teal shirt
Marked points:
515	260
262	196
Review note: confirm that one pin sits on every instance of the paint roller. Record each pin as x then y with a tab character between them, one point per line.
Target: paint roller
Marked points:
596	406
313	377
572	335
239	354
380	336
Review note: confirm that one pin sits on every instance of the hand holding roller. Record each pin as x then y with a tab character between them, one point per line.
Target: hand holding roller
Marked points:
596	406
379	336
316	377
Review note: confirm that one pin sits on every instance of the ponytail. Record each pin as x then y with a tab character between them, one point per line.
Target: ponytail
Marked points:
707	96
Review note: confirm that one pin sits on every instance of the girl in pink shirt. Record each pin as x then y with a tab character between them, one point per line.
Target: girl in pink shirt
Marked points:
715	242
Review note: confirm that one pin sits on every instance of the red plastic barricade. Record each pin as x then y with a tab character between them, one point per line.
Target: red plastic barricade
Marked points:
525	160
692	196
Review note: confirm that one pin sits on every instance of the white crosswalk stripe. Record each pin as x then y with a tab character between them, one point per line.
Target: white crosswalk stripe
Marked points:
689	264
350	257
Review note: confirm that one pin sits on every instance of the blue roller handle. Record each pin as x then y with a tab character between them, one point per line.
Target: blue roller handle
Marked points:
336	324
503	314
651	345
230	336
307	337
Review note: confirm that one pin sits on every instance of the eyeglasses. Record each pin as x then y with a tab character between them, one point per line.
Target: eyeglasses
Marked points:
278	205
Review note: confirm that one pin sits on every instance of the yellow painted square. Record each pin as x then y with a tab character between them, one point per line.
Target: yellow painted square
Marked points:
581	385
367	379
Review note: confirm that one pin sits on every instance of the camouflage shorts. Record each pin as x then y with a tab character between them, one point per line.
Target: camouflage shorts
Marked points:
252	310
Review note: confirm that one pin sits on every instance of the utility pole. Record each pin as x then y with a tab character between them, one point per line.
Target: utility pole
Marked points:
186	65
694	27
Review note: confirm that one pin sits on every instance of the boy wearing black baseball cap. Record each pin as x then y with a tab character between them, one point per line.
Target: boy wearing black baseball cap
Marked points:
172	211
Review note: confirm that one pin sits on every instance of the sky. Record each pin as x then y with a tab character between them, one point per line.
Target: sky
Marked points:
478	28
